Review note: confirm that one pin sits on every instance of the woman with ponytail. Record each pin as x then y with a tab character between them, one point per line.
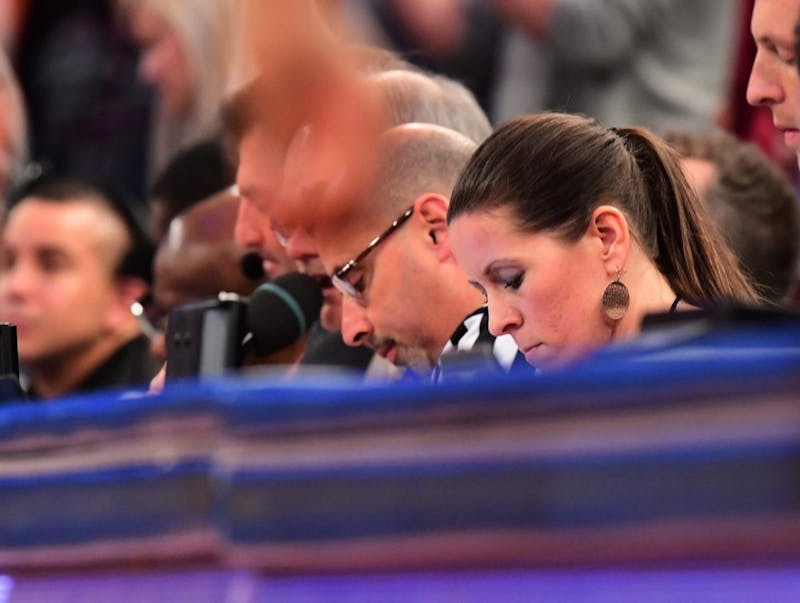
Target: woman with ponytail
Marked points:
574	232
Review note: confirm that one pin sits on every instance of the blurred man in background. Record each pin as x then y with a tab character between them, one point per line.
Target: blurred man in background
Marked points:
195	173
774	79
198	258
753	203
74	263
13	127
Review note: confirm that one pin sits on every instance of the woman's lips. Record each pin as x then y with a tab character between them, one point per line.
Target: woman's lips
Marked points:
533	353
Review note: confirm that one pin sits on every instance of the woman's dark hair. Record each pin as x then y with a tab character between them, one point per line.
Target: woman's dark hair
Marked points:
553	170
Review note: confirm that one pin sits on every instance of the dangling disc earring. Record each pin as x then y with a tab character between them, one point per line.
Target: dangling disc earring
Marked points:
616	299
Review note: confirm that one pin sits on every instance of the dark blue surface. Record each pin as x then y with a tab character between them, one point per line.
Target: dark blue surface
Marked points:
78	507
286	502
615	378
548	494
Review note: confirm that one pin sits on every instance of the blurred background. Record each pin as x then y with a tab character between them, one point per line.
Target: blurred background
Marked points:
114	88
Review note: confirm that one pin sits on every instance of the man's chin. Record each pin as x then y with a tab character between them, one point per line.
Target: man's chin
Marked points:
414	359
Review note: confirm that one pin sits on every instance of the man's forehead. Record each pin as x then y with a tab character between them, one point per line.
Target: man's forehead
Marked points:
774	21
260	166
339	242
58	215
700	173
301	188
309	191
335	253
73	224
297	153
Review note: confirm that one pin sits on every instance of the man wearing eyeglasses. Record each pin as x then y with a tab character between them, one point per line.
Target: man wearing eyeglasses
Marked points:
404	295
409	96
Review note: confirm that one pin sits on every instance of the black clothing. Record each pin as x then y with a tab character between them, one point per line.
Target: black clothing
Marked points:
472	346
132	366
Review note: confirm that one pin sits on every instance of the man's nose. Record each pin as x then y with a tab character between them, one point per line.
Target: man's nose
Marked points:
356	326
763	88
246	231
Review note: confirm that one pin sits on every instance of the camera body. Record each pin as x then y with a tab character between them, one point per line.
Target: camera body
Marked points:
10	389
204	338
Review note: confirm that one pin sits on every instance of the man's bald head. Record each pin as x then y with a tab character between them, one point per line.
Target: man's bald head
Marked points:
415	160
411	96
406	292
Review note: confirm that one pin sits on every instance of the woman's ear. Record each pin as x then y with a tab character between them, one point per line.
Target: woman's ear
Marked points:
610	226
430	211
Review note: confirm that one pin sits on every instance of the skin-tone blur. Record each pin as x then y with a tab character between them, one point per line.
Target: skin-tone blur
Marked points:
163	61
546	292
267	208
341	108
8	112
774	80
256	188
13	124
57	285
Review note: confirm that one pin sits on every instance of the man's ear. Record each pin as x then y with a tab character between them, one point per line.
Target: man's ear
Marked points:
430	213
129	289
610	228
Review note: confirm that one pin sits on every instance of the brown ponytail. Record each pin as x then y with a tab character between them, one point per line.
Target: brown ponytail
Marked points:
689	249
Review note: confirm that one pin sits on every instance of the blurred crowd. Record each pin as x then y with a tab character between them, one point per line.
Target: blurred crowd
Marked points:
519	182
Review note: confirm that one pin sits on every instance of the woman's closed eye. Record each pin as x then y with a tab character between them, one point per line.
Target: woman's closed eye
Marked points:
514	282
506	276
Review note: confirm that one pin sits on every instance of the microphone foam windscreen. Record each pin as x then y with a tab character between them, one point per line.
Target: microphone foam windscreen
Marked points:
281	311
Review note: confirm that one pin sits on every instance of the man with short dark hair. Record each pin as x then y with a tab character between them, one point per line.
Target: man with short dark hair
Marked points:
753	203
193	174
74	261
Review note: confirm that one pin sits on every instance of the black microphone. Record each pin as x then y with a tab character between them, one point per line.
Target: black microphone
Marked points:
209	337
252	265
281	311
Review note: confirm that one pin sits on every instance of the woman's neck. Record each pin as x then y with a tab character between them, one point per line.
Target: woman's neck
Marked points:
650	293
